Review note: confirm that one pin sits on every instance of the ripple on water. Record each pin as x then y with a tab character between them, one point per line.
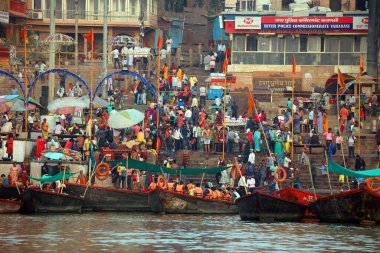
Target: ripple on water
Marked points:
121	232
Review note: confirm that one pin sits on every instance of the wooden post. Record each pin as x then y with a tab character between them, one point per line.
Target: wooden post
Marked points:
360	101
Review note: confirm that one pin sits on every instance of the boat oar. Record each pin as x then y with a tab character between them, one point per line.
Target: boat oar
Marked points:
344	162
203	176
244	184
328	174
311	177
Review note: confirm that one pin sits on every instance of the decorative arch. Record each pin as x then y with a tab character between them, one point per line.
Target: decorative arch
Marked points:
75	76
125	73
17	81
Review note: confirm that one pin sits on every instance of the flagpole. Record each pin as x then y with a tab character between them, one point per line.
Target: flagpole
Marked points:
293	77
91	77
26	95
360	101
225	66
158	94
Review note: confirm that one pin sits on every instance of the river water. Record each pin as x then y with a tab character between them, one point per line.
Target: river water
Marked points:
125	232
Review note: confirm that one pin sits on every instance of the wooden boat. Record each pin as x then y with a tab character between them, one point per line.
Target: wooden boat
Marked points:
163	201
10	191
99	198
9	206
285	205
348	207
41	201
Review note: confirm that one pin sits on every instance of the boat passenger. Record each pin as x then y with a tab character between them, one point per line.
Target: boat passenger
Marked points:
180	187
214	193
218	194
171	186
198	192
226	196
207	194
190	185
153	185
82	178
161	183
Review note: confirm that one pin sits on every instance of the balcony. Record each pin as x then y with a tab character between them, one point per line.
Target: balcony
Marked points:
17	8
309	58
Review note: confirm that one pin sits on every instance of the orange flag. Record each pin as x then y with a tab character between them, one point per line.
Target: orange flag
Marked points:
225	64
159	41
24	35
251	103
341	80
294	64
361	65
90	36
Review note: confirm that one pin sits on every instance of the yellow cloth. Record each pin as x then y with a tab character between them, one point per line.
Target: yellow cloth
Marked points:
179	75
193	80
140	137
341	178
86	144
120	170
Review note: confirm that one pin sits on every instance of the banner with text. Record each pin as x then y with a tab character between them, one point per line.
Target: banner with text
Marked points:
301	23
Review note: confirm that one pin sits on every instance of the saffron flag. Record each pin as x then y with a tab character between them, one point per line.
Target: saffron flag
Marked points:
225	64
361	65
159	41
294	64
24	36
251	103
341	80
90	36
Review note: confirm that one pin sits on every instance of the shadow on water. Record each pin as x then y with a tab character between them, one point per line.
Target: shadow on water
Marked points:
122	232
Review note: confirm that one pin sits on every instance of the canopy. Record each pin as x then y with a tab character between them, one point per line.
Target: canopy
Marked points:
336	168
124	119
50	179
130	163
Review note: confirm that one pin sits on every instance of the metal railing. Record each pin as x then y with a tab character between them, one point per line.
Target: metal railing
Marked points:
113	16
307	58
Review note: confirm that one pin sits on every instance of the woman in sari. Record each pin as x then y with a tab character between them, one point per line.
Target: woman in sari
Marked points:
40	147
202	119
257	140
219	119
278	146
320	121
45	129
325	122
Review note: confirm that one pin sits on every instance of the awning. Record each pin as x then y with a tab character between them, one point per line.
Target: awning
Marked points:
336	168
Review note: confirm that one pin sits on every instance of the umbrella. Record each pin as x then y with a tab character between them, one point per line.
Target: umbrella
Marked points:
121	40
97	103
15	103
60	39
124	119
67	105
62	154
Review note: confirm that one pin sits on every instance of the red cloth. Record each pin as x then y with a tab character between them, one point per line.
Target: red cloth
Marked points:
10	146
40	147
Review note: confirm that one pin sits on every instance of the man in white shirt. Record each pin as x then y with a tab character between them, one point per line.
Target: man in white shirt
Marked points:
7	127
202	95
131	53
59	129
311	119
116	60
188	115
169	43
251	184
251	157
163	53
217	101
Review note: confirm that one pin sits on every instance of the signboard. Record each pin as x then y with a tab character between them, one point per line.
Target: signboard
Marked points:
276	82
141	52
4	11
301	23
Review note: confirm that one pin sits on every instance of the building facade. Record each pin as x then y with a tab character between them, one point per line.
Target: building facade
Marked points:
263	44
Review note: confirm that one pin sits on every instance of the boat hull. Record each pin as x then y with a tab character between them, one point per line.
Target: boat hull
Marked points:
348	207
37	201
260	206
162	201
9	192
109	199
9	206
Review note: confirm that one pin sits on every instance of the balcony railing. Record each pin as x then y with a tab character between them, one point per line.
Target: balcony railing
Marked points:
17	6
281	58
113	16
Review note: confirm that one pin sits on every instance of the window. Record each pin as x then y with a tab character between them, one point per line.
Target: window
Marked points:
277	44
331	44
133	7
263	44
37	4
303	43
252	43
346	43
360	44
314	44
239	43
291	44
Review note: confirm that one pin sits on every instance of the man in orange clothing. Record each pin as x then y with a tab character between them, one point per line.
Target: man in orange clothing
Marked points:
343	115
82	178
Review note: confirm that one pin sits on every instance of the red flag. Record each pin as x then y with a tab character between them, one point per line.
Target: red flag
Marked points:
159	41
251	103
24	35
294	64
90	36
225	64
361	65
341	80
